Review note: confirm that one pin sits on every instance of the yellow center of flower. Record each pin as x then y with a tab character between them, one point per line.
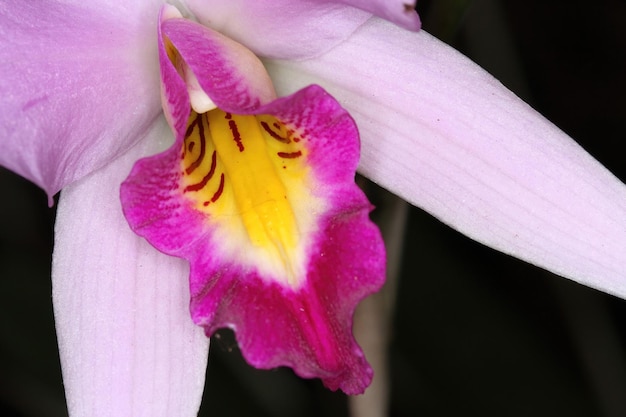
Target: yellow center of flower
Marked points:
249	175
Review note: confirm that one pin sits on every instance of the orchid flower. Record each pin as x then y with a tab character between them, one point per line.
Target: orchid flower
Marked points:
81	106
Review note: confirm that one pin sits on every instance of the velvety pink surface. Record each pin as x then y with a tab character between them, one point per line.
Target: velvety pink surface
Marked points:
79	86
235	78
231	81
308	329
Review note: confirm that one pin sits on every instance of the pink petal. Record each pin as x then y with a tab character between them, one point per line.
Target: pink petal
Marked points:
307	324
234	76
79	86
441	132
280	28
127	344
297	28
400	12
236	79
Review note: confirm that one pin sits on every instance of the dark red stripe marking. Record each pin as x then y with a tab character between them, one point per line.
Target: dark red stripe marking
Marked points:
188	133
207	177
273	134
195	164
219	191
192	126
217	194
236	135
290	155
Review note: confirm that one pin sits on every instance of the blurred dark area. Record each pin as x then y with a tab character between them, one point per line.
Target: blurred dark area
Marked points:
475	332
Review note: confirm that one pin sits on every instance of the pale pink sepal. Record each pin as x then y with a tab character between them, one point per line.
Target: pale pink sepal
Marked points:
400	12
297	29
128	346
280	28
78	84
441	132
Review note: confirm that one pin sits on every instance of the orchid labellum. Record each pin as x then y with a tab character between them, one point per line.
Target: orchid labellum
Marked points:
258	194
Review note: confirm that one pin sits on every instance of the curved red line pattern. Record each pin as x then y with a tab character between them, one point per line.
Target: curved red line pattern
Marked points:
206	178
273	134
195	164
201	123
219	191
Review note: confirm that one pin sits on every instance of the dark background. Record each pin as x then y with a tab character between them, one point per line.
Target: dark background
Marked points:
475	332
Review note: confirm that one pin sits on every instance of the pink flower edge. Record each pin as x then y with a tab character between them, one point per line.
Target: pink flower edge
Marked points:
309	330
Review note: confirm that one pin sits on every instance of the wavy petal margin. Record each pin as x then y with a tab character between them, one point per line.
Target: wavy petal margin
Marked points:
306	323
445	135
78	86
